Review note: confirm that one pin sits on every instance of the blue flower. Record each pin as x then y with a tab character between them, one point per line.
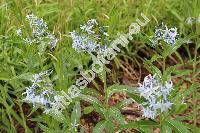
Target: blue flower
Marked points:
40	95
162	32
148	113
82	43
39	32
91	38
156	96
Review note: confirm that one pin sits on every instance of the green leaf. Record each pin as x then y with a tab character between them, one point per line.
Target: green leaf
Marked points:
168	50
185	93
76	113
115	113
141	123
182	72
153	69
95	102
166	129
91	91
178	109
6	123
59	117
88	110
102	75
110	126
12	112
5	75
124	102
103	126
169	71
100	126
137	98
178	126
24	76
156	57
43	127
119	88
194	129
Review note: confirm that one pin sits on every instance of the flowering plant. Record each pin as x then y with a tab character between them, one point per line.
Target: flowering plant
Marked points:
124	77
39	33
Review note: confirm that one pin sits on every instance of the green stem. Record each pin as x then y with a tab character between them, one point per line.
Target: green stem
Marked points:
195	92
164	64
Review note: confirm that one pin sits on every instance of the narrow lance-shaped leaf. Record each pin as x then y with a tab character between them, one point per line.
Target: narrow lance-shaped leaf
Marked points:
115	114
141	123
76	115
95	102
100	126
116	88
177	126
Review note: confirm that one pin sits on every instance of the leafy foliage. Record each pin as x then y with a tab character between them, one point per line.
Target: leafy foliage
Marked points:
179	62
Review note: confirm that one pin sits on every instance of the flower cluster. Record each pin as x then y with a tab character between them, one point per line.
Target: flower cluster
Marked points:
168	35
39	32
46	98
156	96
91	37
